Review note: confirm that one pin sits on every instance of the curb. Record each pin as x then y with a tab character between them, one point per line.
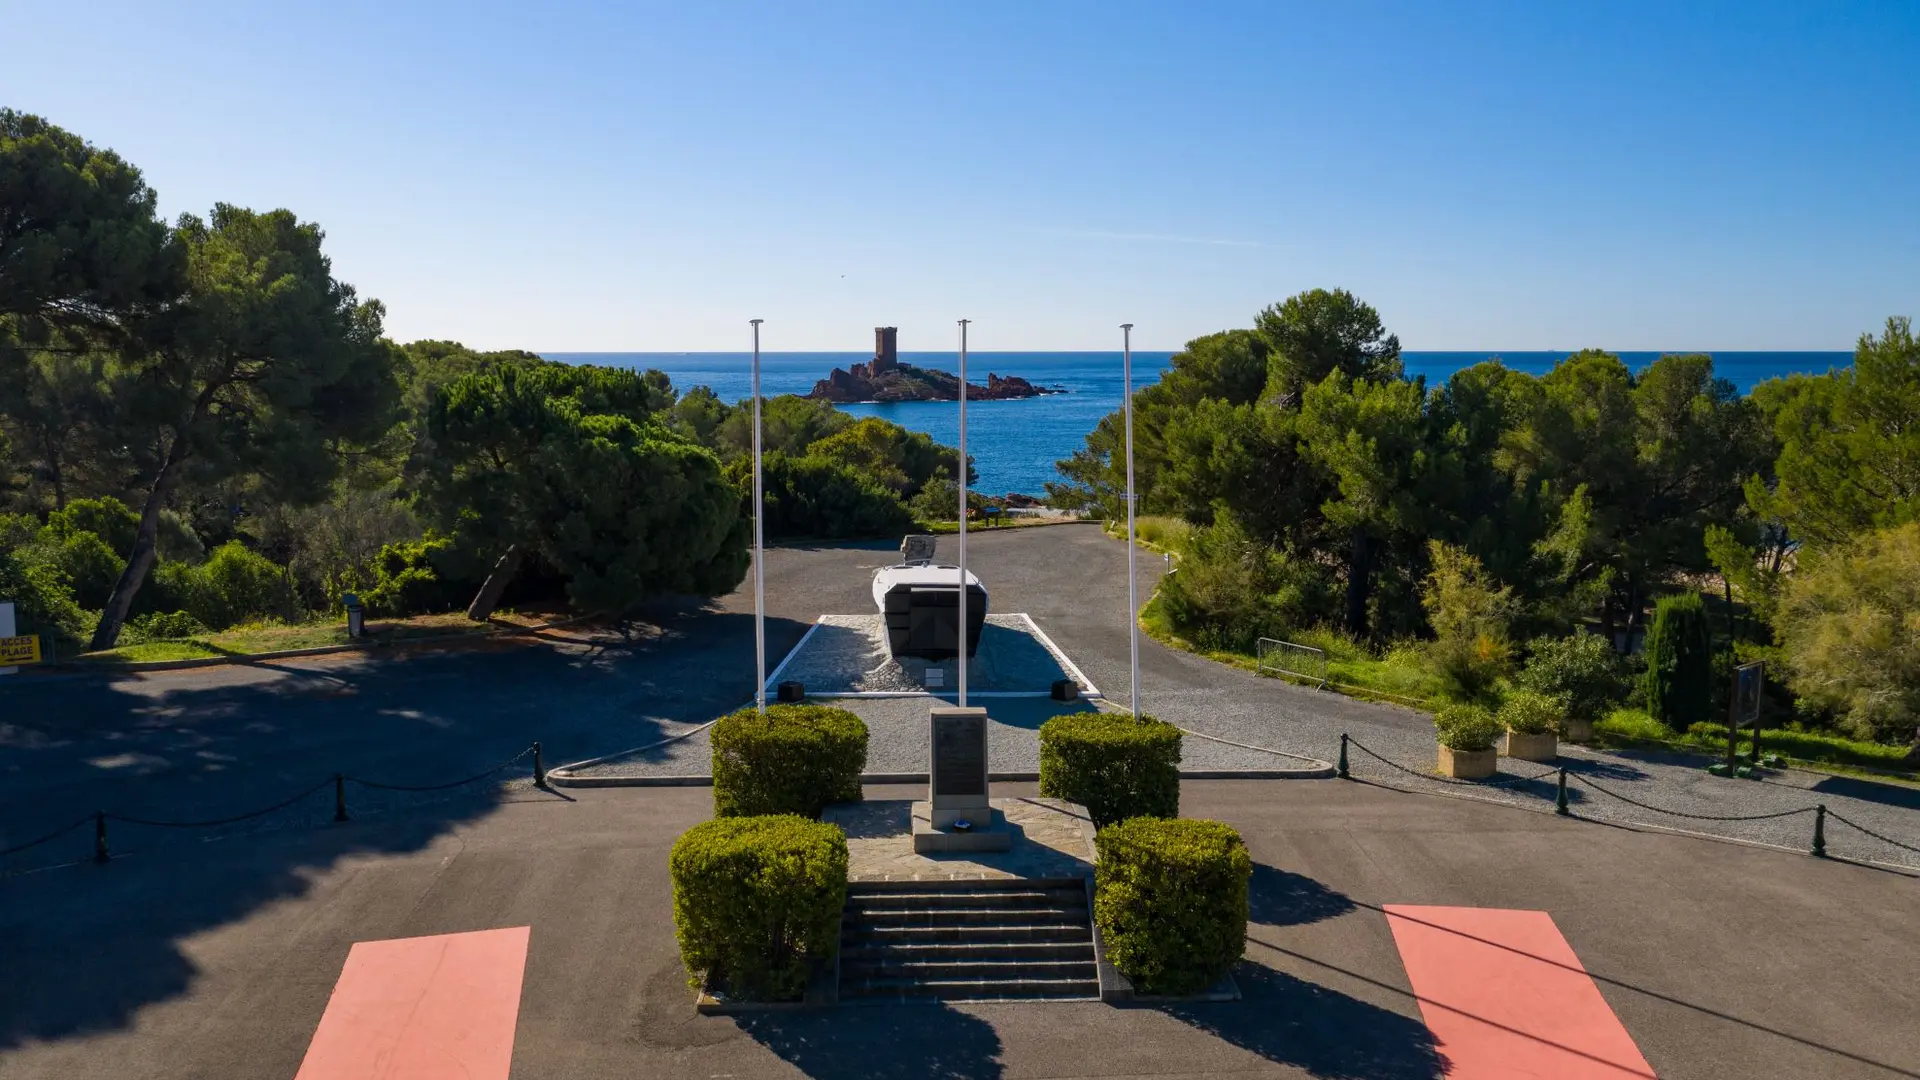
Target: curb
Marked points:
92	667
559	778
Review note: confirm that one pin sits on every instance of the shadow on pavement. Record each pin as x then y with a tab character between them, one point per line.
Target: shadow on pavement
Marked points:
106	941
1868	791
1281	898
1290	1021
882	1042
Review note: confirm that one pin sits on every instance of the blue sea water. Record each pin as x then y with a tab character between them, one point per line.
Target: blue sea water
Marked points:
1015	443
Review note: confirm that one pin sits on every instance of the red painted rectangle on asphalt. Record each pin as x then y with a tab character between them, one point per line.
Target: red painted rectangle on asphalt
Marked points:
1506	998
423	1008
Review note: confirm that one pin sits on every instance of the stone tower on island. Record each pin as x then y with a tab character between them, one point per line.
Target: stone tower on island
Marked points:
885	353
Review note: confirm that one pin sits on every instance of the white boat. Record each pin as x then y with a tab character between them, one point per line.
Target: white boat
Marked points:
920	600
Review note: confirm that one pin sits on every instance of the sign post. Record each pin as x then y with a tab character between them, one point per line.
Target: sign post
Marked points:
1743	707
15	650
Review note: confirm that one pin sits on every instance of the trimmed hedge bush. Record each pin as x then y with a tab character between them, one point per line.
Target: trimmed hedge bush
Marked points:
1466	728
1117	766
1582	668
794	760
1532	714
756	902
1170	896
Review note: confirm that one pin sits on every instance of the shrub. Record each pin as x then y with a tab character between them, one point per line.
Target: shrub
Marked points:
42	603
1531	713
794	760
107	518
1582	668
756	902
1472	617
1466	728
1117	766
409	579
1170	897
819	497
1231	591
1679	679
88	563
162	626
1850	641
234	585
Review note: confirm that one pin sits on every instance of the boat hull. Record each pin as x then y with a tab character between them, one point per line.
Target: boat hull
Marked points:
923	617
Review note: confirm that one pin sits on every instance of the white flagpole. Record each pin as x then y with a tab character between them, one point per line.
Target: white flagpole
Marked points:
759	544
963	512
1133	599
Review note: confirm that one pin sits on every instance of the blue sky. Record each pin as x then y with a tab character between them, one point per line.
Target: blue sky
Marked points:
648	177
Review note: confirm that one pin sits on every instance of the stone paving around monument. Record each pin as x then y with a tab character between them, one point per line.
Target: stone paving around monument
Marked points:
847	654
1054	839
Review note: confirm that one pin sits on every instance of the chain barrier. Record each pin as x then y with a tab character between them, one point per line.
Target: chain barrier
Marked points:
507	764
99	819
1820	811
1584	782
216	822
1875	835
1357	745
54	835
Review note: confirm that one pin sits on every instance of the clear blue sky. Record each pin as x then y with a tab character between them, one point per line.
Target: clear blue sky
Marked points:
647	177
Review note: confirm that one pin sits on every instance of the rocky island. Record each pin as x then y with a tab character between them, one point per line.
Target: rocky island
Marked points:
885	378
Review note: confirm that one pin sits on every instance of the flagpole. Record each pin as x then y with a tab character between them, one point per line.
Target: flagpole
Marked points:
963	512
1133	599
759	544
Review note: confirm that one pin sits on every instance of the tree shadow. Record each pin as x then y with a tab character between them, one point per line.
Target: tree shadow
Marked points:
1907	798
1603	770
921	1040
210	744
1029	713
1290	1021
1281	898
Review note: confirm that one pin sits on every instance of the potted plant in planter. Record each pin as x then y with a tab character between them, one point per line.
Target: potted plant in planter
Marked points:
1532	723
1581	670
1467	734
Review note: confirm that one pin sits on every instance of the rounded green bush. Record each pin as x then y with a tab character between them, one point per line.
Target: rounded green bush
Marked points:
1466	728
1582	668
756	902
796	759
1170	897
1530	713
1116	765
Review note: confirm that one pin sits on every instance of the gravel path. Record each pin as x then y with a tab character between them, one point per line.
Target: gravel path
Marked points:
848	654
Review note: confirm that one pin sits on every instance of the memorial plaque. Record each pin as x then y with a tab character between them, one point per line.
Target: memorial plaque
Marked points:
960	753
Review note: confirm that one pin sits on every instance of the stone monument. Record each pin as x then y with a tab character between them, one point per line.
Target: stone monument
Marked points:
958	816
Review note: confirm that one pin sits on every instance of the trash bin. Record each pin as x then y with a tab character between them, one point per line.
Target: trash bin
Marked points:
356	615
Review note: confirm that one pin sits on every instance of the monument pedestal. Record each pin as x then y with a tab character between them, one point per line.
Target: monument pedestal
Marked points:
957	791
988	831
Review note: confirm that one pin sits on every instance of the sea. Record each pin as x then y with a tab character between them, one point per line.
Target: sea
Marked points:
1014	444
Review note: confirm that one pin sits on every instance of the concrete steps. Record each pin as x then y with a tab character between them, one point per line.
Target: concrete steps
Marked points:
958	941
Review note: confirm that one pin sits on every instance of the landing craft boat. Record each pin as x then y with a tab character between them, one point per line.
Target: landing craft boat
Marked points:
920	601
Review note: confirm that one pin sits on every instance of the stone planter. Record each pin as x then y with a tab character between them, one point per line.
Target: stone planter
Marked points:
1468	764
1579	731
1542	748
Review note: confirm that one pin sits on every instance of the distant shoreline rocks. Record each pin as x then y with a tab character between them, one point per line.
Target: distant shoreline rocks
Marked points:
886	379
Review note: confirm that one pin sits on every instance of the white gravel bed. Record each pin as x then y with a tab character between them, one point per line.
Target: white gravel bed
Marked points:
846	654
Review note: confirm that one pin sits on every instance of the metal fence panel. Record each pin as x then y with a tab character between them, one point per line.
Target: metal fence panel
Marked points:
1288	658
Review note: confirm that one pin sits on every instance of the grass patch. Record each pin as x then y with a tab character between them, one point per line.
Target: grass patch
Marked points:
1400	677
1154	532
254	638
1807	747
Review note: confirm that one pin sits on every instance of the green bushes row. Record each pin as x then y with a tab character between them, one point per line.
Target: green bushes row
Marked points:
1170	898
757	901
1117	766
796	759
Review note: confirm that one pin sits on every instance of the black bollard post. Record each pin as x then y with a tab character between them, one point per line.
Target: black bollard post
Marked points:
100	854
340	796
1343	757
1820	831
1560	800
539	768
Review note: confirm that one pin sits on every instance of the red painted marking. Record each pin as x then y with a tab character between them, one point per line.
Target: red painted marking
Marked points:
1506	998
424	1008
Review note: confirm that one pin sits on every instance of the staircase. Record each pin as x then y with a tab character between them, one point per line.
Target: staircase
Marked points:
967	940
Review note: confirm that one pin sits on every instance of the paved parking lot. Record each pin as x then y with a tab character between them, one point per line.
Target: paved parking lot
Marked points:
218	961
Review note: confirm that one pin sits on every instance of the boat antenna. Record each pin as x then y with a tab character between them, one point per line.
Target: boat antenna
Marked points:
963	512
759	545
1133	599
